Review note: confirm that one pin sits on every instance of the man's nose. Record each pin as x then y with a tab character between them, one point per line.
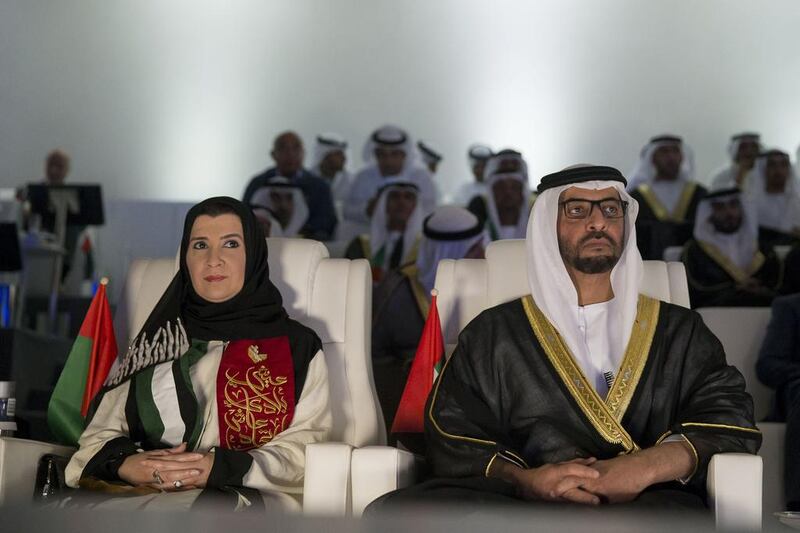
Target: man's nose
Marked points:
596	220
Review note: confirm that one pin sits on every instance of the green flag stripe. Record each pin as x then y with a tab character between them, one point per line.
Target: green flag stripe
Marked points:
197	350
165	396
148	412
186	402
64	411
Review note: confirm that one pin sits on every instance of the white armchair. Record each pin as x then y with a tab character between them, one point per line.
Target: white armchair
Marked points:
333	297
741	331
467	287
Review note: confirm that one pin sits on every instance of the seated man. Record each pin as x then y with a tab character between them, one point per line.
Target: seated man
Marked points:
724	264
288	154
389	153
775	193
663	184
394	229
478	155
585	391
330	157
778	367
508	197
401	301
743	150
284	200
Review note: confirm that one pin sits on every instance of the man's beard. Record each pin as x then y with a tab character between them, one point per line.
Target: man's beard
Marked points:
726	227
597	264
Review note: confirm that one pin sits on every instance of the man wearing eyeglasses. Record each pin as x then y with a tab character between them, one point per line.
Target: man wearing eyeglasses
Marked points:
585	391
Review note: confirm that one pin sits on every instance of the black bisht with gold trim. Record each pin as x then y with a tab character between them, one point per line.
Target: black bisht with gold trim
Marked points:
511	391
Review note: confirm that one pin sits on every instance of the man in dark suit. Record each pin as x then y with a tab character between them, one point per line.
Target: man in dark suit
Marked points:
779	367
288	154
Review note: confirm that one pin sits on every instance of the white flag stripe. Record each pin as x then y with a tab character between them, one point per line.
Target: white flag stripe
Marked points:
165	396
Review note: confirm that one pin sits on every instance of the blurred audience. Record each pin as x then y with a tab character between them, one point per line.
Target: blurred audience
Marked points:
288	155
394	228
663	184
725	266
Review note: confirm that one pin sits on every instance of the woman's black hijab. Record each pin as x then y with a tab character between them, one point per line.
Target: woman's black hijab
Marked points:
181	315
257	310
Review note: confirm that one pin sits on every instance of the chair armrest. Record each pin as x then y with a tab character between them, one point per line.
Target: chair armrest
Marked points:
326	485
734	491
19	459
377	470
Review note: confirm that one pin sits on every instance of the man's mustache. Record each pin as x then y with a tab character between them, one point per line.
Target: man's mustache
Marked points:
598	235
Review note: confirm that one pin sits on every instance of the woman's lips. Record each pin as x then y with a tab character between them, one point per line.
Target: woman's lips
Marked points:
212	279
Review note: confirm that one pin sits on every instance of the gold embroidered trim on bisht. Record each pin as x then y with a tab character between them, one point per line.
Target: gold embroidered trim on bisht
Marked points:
435	393
366	246
727	265
512	455
411	272
653	202
720	426
658	209
604	418
679	215
489	466
636	353
688	478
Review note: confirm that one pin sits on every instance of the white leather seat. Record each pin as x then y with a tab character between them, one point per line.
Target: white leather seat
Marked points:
333	297
741	331
467	287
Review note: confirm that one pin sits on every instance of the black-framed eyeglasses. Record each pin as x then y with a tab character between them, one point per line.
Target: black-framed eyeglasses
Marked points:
578	209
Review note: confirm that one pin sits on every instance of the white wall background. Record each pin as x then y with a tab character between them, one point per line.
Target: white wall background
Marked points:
179	100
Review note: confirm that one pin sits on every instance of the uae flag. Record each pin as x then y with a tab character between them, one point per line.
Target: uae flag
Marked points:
85	371
427	364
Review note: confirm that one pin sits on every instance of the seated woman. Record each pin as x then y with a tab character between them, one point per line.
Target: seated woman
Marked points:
220	391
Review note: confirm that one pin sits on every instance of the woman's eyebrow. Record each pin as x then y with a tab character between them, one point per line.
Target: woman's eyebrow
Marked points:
229	235
200	238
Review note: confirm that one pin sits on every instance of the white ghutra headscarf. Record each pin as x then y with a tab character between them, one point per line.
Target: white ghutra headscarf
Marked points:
261	198
379	235
668	192
447	233
551	287
492	174
740	246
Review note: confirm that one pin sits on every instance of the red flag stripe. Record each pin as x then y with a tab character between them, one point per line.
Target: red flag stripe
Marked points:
410	416
99	327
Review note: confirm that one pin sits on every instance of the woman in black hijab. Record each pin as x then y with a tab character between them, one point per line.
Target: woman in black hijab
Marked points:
220	391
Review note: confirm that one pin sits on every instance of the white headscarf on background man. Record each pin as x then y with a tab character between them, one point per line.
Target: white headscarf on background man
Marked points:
369	179
327	143
644	173
551	287
725	176
739	247
447	233
491	175
261	198
381	237
781	211
475	154
391	136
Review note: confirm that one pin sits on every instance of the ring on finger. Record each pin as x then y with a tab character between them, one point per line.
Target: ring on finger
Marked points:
157	476
177	483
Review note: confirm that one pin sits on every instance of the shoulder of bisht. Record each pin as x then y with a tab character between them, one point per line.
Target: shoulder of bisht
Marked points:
168	343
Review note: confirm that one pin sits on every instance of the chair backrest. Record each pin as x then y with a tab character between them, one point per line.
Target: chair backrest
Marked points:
468	286
741	331
331	296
